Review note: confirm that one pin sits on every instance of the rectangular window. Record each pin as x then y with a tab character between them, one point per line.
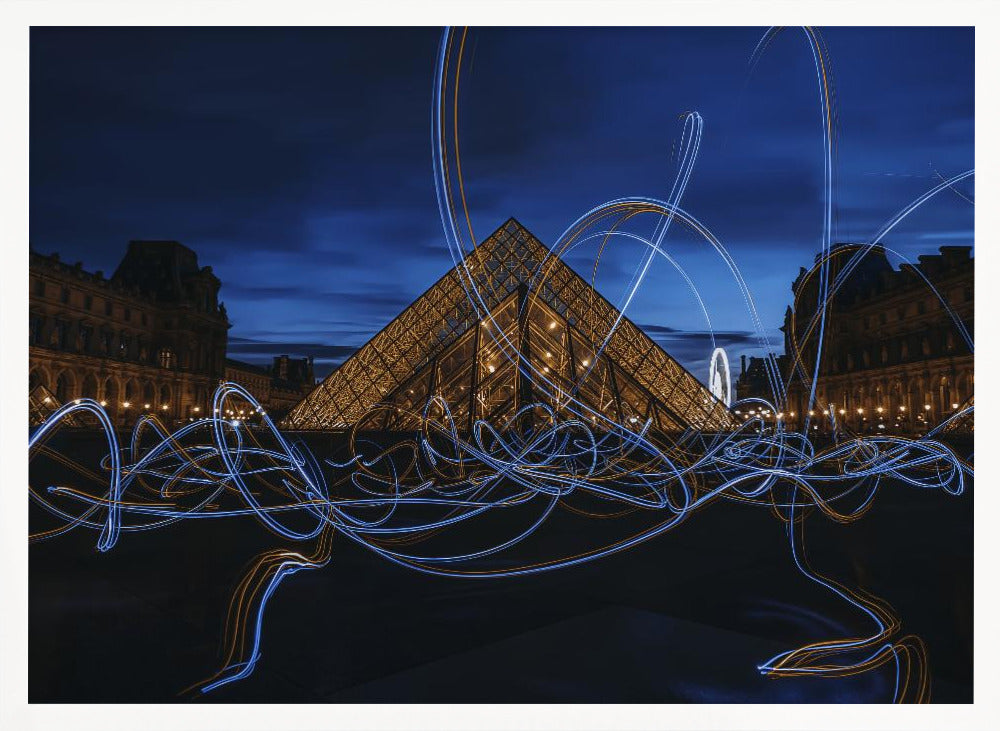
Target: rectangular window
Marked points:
128	315
88	301
921	307
39	288
144	321
64	295
85	336
35	329
108	307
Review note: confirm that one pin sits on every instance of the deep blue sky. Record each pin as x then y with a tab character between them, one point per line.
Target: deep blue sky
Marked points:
297	163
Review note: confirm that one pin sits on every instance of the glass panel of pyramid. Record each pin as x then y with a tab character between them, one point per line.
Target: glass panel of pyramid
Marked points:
537	348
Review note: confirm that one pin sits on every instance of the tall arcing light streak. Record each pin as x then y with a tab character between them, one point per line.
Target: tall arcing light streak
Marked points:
393	498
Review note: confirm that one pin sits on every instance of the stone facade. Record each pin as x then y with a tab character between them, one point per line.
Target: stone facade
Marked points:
894	359
277	387
151	338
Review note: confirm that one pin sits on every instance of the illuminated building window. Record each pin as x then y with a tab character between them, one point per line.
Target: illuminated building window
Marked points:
167	359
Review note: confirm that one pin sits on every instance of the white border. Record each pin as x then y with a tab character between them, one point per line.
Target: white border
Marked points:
15	18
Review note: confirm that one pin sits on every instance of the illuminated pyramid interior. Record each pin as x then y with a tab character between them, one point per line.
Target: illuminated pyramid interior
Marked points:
543	314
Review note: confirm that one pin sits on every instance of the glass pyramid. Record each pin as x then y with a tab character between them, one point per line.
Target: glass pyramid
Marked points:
535	357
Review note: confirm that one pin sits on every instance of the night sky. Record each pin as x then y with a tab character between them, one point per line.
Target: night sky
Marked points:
297	162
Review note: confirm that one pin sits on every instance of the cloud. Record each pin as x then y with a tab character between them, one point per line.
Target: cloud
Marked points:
261	352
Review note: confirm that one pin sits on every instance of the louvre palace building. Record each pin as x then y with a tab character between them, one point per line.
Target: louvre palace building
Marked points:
893	357
152	337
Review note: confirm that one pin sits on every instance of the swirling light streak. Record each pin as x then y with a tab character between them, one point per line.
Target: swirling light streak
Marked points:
503	470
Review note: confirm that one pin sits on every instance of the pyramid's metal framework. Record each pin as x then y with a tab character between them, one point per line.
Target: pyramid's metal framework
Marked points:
541	310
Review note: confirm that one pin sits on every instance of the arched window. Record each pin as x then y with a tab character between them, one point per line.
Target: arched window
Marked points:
38	377
64	387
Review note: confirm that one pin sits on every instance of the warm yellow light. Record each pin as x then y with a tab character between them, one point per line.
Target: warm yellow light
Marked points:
164	407
902	408
46	399
76	401
927	407
546	369
954	406
842	412
145	406
196	408
104	403
491	368
126	404
552	325
586	363
738	411
791	413
548	354
780	415
812	413
861	411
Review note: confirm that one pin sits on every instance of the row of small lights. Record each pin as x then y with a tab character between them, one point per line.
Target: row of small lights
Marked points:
164	407
826	412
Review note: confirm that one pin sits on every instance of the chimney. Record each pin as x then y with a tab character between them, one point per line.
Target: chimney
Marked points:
743	365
